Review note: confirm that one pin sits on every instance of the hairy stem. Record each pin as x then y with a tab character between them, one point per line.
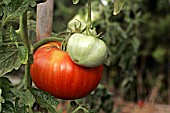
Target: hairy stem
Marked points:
23	31
46	40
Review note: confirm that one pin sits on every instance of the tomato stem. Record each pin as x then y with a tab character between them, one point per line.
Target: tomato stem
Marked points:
23	31
89	15
46	40
80	108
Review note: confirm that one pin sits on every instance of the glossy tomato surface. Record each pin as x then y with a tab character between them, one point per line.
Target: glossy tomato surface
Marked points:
86	50
53	71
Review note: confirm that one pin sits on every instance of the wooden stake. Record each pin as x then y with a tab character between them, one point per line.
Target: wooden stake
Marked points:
44	19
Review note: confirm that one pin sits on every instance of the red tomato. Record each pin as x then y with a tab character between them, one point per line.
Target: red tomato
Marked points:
53	71
140	103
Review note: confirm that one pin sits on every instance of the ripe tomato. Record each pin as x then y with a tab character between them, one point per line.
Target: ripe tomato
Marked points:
53	71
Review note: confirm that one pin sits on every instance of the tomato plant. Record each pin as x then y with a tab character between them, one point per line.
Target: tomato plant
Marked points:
53	71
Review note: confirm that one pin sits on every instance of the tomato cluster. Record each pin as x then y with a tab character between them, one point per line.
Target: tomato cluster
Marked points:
54	71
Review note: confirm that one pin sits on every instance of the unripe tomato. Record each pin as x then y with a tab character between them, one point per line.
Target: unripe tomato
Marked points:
53	71
86	50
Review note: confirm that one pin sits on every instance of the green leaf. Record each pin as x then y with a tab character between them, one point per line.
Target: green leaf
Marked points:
1	40
136	44
75	1
6	35
32	3
159	54
25	97
13	35
1	11
8	107
6	85
23	53
45	100
7	2
32	30
14	9
9	60
18	108
118	4
2	100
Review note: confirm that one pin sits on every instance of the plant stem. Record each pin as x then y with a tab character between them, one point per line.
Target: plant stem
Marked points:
23	31
89	15
30	110
11	44
46	40
82	108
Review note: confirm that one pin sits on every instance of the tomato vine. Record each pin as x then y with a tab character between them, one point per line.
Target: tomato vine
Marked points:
23	31
17	49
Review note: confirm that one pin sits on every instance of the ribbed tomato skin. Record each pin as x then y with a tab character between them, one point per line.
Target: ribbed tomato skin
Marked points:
53	71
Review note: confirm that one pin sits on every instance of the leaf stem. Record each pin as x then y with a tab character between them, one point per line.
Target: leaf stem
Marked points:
30	110
46	40
89	15
82	108
23	31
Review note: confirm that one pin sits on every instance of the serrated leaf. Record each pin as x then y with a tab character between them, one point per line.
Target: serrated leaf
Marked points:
19	109
75	1
7	2
25	97
23	53
14	9
7	95
13	35
9	60
8	107
33	3
6	85
5	35
118	4
45	100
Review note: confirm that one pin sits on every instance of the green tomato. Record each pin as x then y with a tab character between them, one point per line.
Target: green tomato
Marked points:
87	51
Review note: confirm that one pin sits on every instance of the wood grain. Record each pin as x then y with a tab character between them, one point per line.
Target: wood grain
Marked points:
44	19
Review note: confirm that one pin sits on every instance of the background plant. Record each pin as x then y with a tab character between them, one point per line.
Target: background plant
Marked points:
137	40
